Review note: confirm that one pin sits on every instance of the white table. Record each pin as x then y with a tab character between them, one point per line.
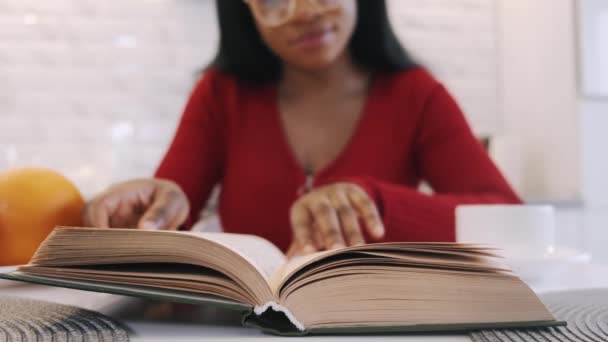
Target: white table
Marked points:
224	326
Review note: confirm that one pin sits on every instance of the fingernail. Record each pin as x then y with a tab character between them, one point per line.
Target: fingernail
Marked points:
337	246
379	231
149	225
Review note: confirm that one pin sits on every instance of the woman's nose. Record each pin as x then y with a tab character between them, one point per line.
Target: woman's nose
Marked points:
305	11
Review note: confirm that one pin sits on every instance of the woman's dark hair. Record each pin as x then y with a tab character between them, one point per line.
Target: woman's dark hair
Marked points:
243	54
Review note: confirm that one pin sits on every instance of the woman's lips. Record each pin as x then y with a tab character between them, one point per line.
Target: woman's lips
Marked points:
315	39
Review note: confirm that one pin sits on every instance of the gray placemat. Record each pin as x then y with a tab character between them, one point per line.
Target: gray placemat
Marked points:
585	311
31	320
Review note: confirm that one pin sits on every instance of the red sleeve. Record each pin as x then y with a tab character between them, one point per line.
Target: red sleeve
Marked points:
196	156
457	166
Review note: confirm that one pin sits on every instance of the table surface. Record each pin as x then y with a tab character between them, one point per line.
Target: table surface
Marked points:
147	320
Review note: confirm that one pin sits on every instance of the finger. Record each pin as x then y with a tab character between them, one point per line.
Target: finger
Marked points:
327	220
302	226
183	210
165	211
317	238
126	215
367	210
348	218
296	250
292	251
96	215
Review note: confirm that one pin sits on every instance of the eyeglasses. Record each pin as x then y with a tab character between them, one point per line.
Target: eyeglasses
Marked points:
275	13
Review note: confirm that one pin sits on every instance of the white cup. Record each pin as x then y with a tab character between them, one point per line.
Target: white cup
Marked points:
521	231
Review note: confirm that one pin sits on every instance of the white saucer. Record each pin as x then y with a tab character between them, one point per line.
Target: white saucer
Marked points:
553	262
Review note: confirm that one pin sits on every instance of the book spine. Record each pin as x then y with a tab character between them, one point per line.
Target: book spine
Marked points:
277	308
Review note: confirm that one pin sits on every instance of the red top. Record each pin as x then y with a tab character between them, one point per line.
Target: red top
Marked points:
410	129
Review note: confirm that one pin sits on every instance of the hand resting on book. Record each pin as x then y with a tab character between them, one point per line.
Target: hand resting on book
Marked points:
333	217
150	204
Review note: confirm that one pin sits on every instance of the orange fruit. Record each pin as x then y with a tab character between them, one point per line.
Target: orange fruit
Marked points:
32	202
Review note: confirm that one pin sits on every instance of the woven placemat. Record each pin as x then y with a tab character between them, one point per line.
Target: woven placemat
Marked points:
30	320
585	311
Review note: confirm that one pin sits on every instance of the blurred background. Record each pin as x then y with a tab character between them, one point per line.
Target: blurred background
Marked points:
94	88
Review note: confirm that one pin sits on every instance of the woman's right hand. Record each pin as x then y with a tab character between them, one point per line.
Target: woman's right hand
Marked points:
149	204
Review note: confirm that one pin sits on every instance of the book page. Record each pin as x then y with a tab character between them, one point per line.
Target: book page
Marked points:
290	266
259	252
438	255
246	259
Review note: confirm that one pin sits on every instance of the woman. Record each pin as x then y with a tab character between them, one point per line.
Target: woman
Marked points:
319	128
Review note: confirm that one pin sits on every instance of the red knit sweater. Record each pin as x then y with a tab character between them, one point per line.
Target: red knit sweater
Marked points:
410	130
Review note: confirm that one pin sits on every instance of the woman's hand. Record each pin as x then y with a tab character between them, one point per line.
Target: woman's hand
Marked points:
331	217
149	204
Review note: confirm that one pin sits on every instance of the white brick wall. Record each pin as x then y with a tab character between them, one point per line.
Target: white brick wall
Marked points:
94	88
458	41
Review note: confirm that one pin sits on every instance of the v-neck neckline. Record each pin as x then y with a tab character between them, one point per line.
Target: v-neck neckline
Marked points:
346	150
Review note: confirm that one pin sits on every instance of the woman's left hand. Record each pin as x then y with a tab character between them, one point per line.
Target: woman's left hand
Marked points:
329	217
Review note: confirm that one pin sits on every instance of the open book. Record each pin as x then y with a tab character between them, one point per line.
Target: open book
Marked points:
387	287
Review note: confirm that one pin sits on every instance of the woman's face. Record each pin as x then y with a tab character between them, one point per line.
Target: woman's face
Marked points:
314	36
